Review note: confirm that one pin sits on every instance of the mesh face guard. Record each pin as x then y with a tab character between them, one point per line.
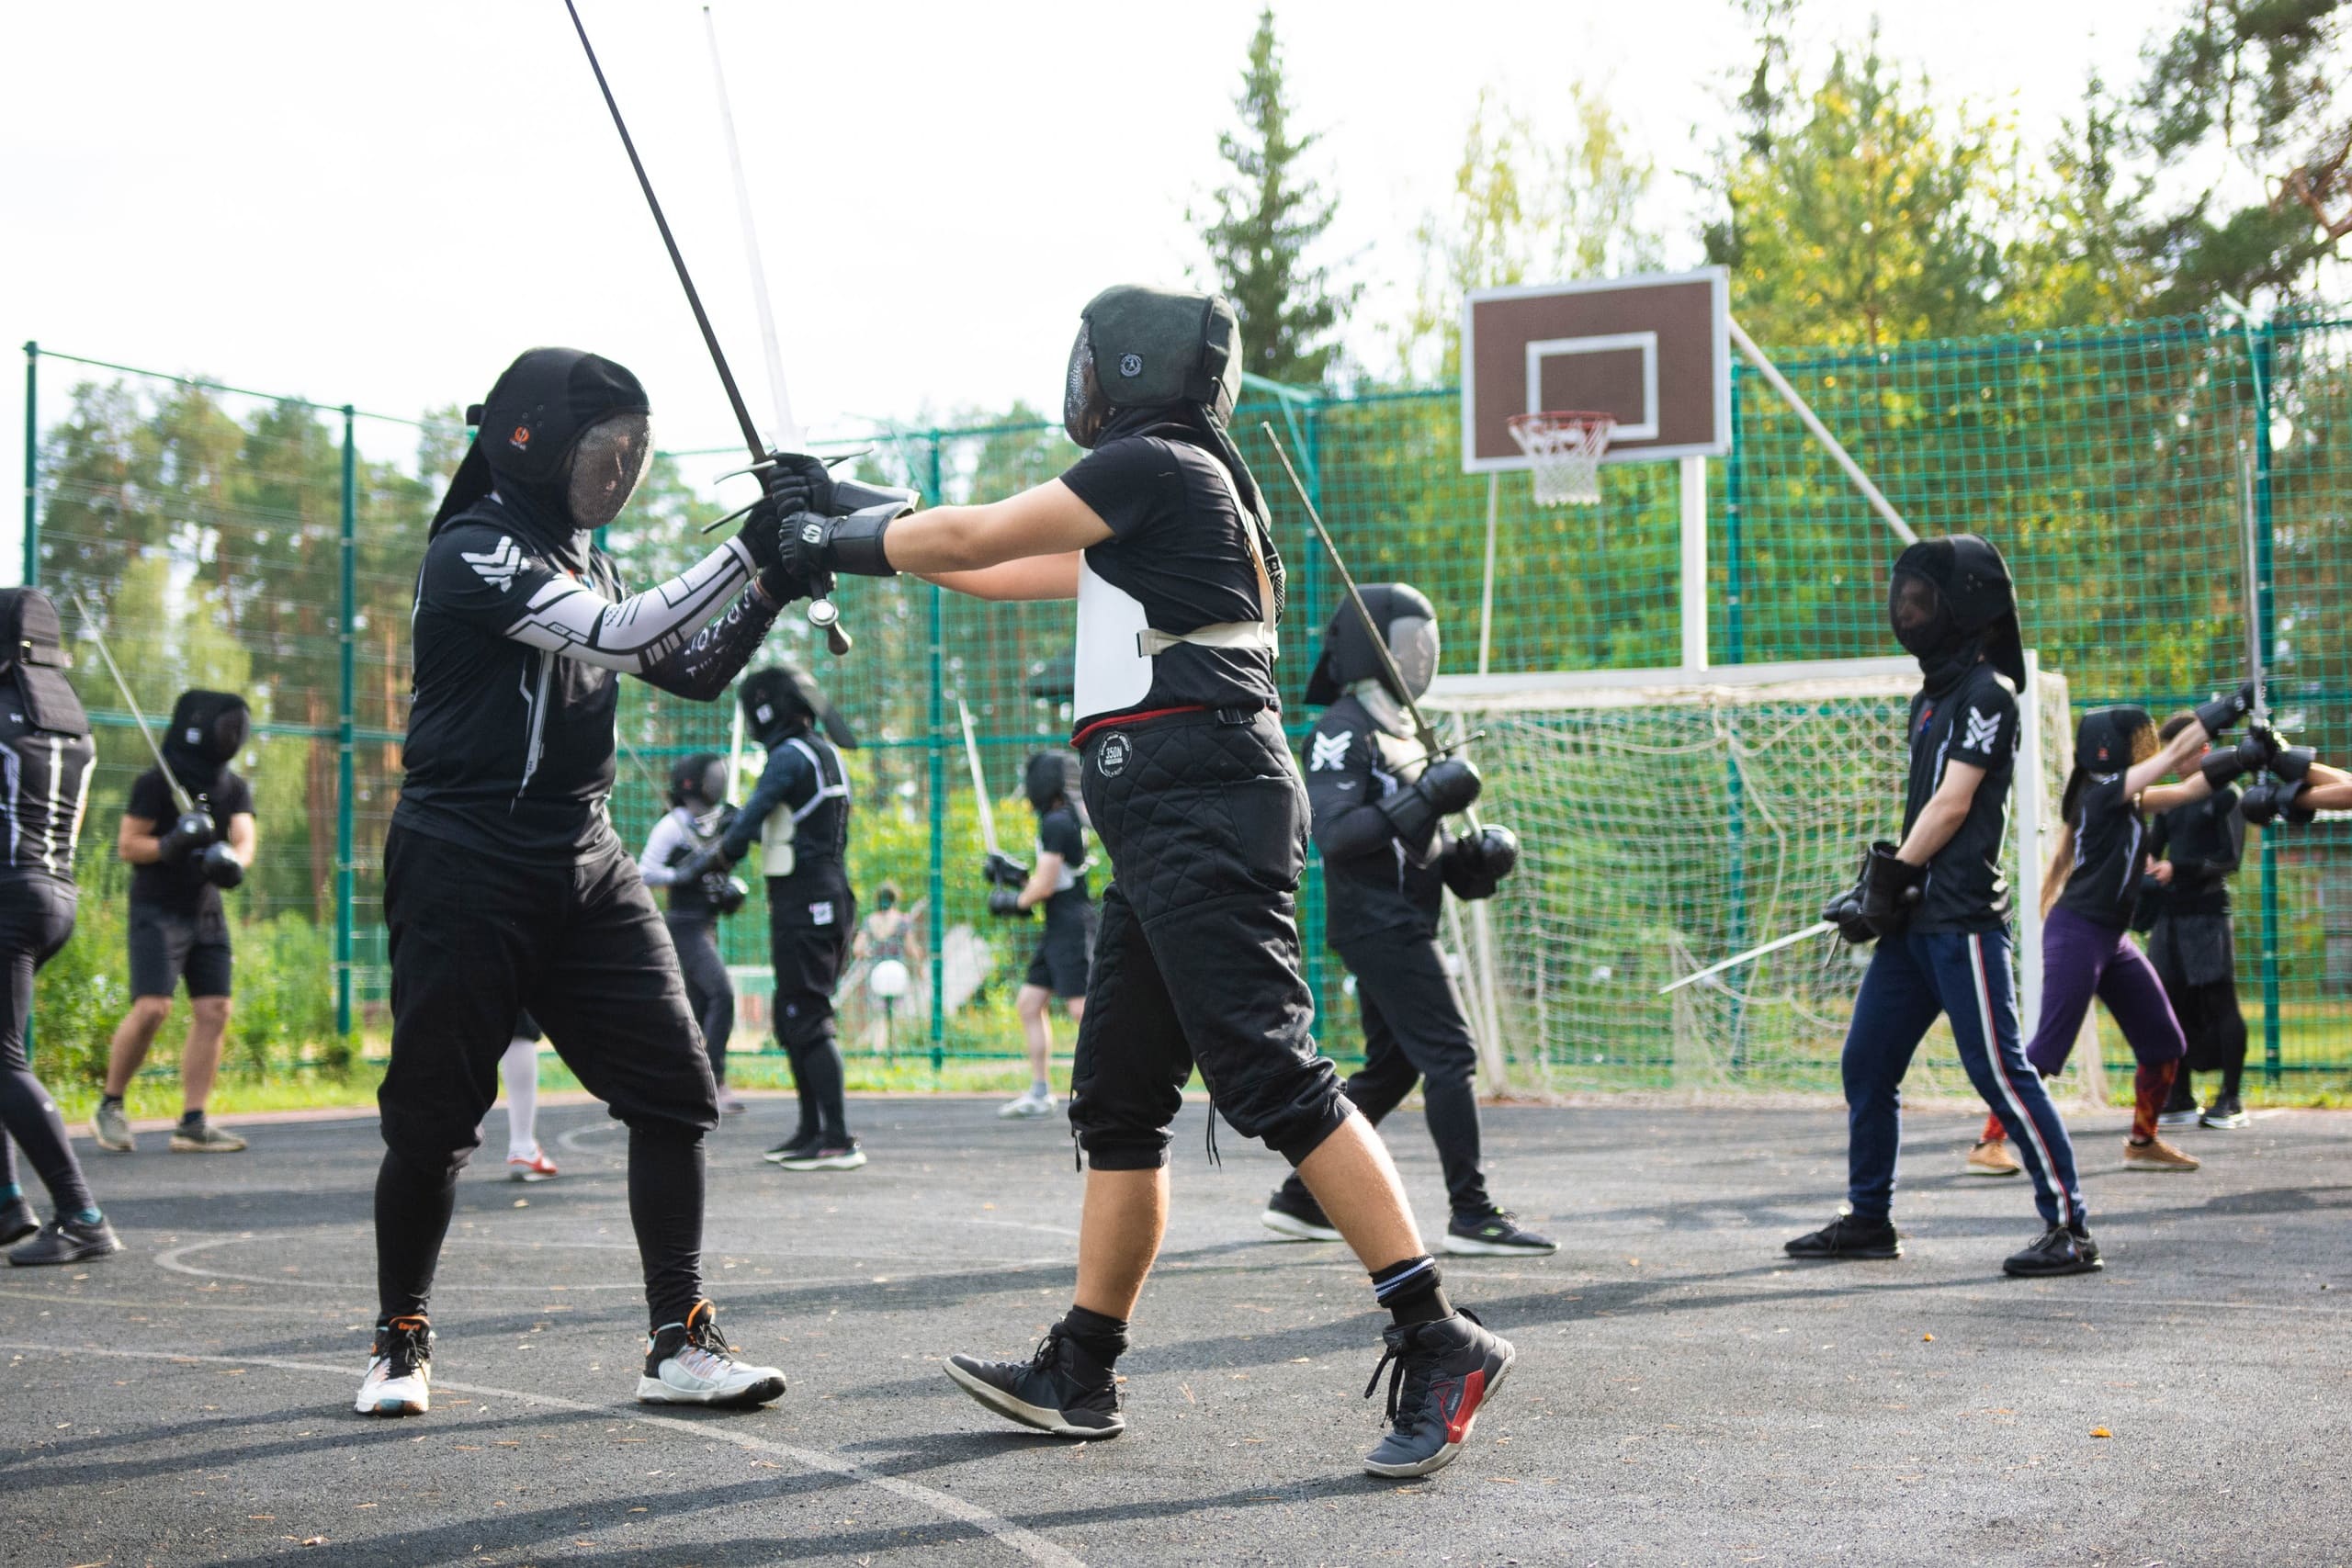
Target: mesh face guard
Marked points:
1413	643
604	465
1083	406
1922	622
713	783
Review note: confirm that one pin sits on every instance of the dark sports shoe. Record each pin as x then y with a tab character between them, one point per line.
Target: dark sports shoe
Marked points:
1296	1216
2224	1115
2062	1249
1440	1376
1495	1234
792	1148
18	1221
825	1156
1849	1236
1058	1390
66	1241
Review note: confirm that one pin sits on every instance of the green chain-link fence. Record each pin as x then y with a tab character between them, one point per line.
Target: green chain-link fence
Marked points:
230	538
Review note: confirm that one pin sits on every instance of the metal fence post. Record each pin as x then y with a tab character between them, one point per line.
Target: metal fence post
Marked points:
937	789
2265	602
346	634
32	578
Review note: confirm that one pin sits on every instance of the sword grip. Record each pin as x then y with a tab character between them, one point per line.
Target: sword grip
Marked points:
822	614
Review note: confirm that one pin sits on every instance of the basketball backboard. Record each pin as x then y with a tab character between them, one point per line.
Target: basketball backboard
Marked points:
1654	350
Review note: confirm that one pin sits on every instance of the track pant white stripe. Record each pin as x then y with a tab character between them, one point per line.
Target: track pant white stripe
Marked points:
2044	1169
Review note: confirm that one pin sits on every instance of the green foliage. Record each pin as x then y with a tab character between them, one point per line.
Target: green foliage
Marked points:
1267	218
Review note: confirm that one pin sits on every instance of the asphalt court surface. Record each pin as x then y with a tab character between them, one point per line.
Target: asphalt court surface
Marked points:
1683	1394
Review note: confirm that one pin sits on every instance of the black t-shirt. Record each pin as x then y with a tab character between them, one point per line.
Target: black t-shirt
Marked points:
1976	723
1058	833
46	782
510	748
2111	840
1350	763
1178	559
181	889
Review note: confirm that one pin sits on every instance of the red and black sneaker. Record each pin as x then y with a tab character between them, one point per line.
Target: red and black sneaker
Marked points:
1439	1377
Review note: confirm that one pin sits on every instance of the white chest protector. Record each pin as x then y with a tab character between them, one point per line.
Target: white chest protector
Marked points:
778	857
1116	642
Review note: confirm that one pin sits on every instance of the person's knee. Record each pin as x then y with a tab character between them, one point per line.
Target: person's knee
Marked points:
212	1013
1076	1008
148	1013
426	1152
1030	1003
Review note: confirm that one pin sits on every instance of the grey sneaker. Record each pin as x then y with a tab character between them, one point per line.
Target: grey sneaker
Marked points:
66	1241
201	1138
1439	1377
111	1127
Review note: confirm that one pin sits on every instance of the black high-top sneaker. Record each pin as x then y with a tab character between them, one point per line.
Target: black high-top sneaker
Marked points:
1060	1389
66	1241
18	1221
1440	1376
1848	1235
2062	1249
2224	1115
1296	1216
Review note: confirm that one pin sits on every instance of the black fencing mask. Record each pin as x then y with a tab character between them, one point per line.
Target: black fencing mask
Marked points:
208	731
33	655
1408	624
2106	741
1047	779
1150	348
563	437
783	699
1950	600
699	779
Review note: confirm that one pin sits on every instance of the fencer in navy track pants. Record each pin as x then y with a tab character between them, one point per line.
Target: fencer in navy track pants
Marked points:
1966	977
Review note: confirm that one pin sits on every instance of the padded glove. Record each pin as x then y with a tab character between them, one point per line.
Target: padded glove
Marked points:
1890	890
1002	870
2292	763
1475	864
1006	902
222	867
1447	786
2265	803
816	547
192	831
2226	764
798	482
726	893
2225	710
1845	912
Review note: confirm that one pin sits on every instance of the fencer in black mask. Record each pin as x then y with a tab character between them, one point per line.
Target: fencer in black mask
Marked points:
505	889
1162	536
1053	885
700	812
179	929
1950	602
45	739
1378	801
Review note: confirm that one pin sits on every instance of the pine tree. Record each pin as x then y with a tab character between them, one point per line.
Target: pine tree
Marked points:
1267	218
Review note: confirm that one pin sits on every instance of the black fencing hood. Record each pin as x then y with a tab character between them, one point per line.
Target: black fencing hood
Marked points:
525	429
700	775
33	655
1348	653
1972	608
207	731
2106	741
783	699
1046	779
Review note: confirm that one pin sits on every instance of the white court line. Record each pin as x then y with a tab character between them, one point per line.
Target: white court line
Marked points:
570	1141
1028	1543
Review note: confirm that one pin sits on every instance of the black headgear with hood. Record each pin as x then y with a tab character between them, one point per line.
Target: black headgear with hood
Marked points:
2106	741
1046	779
1950	600
1408	623
208	731
33	655
1164	362
562	438
783	699
699	778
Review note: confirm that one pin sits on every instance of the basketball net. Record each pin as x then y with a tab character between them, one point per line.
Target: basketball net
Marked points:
1564	451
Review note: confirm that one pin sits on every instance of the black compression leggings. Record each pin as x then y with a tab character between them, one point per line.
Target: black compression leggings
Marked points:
36	916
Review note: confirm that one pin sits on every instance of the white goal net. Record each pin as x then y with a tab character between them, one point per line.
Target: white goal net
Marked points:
1672	819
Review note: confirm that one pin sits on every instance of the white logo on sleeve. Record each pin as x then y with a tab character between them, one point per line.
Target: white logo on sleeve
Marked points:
1330	751
1982	730
496	567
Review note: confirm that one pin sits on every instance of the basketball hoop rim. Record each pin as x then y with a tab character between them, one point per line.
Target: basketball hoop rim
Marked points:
1553	419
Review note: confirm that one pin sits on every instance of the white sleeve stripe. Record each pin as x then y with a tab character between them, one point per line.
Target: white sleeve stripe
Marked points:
570	618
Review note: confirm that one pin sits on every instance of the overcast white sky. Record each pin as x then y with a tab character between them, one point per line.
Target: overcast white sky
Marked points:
384	203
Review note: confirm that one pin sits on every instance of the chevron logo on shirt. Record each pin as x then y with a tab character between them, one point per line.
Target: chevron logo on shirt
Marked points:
1330	751
1982	730
496	567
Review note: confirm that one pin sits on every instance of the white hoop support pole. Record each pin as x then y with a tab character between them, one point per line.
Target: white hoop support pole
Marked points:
1779	383
1694	563
1487	586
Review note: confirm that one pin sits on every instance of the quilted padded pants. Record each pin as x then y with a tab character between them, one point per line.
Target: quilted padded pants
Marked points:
1197	959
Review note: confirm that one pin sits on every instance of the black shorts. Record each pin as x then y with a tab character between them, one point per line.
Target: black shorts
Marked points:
1197	960
1059	964
164	946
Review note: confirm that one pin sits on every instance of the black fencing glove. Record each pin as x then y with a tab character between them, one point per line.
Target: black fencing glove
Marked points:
1447	786
2265	803
222	867
1006	902
1845	912
762	534
798	482
2292	763
711	858
2226	764
726	893
1475	864
1890	889
816	547
2225	710
191	832
1002	870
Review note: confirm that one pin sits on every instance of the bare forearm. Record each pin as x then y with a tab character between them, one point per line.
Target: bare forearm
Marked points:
1938	821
